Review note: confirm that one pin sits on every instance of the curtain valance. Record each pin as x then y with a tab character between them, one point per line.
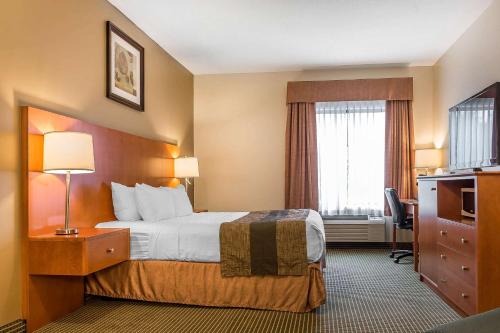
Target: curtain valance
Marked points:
390	89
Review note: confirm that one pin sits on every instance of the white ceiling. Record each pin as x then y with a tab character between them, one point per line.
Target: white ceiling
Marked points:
239	36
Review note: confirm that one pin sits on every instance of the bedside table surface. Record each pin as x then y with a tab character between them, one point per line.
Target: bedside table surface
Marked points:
83	234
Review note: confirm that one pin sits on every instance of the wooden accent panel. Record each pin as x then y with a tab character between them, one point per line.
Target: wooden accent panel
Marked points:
119	157
35	150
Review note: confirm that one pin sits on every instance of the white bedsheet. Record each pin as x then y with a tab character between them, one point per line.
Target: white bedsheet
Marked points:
196	237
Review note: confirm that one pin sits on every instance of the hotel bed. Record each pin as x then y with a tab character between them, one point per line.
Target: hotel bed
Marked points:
195	237
177	260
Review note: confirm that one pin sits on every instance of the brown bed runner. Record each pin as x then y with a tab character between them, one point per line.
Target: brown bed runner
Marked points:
269	242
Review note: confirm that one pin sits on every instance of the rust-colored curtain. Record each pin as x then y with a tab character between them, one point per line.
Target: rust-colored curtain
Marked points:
301	170
399	149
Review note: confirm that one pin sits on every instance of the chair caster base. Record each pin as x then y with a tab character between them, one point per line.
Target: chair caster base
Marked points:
403	254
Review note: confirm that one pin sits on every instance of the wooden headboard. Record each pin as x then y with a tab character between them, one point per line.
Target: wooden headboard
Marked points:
119	157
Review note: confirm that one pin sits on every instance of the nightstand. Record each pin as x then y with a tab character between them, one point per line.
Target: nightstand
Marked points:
200	210
58	265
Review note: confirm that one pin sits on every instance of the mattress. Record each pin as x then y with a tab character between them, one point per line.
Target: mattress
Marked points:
196	237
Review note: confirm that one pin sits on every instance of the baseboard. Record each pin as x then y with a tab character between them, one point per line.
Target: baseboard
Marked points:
17	326
367	245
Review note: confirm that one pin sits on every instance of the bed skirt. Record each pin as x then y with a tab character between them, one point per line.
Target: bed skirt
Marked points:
202	284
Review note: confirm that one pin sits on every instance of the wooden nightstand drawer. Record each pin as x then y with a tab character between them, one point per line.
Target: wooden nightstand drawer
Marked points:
107	251
78	255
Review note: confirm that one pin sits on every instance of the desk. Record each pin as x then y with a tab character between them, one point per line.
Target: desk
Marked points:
412	207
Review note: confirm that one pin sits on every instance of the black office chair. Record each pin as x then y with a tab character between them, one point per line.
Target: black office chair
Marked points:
400	220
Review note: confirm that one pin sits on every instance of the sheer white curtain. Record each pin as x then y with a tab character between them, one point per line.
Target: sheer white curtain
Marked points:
351	157
471	133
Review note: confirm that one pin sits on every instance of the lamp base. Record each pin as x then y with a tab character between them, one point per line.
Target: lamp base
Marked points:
66	231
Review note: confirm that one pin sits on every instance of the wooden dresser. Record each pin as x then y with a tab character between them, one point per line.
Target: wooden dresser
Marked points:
459	253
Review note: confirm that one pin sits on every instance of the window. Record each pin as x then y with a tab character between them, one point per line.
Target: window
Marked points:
351	141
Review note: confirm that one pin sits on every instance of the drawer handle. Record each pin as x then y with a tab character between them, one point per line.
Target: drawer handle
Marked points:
463	240
442	232
110	250
465	268
464	295
443	256
433	188
443	280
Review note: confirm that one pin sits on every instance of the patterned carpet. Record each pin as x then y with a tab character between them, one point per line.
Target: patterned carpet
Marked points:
367	292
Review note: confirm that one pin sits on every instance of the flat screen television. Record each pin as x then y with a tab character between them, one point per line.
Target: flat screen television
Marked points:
473	129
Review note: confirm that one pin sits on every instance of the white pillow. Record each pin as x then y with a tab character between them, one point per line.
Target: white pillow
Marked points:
154	204
182	204
124	203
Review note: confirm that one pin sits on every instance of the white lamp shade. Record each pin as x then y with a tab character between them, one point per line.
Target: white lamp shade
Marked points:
186	167
68	152
428	158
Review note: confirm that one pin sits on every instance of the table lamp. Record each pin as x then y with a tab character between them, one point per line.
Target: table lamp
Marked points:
68	153
428	159
186	167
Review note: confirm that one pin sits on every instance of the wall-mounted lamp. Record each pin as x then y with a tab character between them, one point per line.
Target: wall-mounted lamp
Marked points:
68	153
186	167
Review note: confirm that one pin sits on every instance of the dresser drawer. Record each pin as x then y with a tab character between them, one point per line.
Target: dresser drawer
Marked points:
459	292
461	266
107	251
457	236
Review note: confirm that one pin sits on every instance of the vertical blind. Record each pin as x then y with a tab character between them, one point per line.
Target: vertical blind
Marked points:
351	157
471	133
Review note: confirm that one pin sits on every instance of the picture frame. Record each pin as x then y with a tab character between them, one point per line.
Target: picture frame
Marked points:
124	68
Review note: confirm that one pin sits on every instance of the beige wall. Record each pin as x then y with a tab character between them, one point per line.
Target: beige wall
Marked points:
53	56
239	130
470	65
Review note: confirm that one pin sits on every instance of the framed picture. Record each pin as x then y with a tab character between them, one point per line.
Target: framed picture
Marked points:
124	69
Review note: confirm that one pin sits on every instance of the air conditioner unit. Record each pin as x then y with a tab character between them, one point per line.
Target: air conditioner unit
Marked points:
370	230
